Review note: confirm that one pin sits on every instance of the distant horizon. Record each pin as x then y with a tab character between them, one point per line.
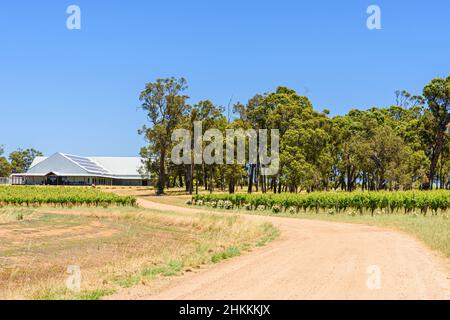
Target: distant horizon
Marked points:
77	90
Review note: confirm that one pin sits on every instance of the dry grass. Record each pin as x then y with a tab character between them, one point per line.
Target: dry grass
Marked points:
434	231
114	248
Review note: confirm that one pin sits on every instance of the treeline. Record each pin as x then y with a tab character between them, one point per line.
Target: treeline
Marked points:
18	161
400	147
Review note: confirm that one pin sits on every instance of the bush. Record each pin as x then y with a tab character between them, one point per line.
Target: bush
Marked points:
261	208
291	210
227	204
276	208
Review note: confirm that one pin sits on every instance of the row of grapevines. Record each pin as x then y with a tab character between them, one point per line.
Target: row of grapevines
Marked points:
384	200
64	196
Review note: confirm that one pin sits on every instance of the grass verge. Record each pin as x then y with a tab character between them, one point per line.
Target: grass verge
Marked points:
432	230
114	248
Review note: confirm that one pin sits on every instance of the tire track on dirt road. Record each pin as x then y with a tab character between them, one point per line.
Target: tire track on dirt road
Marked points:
312	260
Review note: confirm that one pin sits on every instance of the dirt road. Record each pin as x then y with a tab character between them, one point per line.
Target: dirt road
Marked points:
313	260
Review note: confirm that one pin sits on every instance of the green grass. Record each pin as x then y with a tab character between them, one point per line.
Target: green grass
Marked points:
64	294
226	254
173	268
271	233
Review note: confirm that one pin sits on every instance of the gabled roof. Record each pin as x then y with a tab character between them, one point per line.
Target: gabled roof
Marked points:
37	160
68	164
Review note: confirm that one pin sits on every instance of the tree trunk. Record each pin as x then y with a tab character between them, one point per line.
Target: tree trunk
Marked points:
191	173
211	179
162	174
435	156
204	176
257	177
196	181
250	178
279	185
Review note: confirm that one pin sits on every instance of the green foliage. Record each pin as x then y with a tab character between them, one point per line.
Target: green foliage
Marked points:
226	254
401	147
5	168
165	106
406	201
64	196
21	159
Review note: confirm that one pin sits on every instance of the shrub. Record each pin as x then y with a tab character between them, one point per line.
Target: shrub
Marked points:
227	204
291	210
276	208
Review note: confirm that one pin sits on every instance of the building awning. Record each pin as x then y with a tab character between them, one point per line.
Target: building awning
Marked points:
75	175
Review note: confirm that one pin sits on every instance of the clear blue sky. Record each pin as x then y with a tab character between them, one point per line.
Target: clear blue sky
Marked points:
77	91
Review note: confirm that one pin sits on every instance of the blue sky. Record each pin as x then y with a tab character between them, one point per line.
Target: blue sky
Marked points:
76	91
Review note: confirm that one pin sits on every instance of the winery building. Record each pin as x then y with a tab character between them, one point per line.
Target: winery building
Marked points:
67	169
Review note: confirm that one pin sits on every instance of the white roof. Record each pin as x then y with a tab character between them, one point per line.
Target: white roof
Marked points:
72	165
119	165
37	160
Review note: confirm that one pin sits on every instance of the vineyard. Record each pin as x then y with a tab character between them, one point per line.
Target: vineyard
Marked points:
437	201
63	196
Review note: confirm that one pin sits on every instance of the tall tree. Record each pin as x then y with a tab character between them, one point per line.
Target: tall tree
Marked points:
437	94
21	159
5	168
165	106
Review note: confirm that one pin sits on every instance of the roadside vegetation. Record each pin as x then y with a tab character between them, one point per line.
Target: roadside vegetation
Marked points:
114	247
434	202
429	223
61	196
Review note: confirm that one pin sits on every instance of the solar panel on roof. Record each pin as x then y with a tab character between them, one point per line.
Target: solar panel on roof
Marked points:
87	164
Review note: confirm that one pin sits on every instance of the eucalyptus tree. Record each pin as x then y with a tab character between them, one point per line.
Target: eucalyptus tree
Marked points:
437	95
21	160
165	104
